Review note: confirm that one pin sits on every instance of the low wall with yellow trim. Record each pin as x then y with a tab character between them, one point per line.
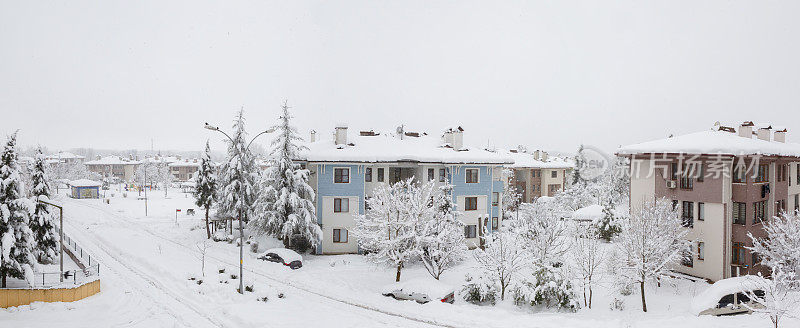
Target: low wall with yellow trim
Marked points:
17	297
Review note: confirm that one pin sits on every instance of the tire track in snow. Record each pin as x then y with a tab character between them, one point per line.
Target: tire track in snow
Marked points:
281	283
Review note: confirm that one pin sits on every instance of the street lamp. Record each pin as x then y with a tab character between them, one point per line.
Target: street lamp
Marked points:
241	226
61	237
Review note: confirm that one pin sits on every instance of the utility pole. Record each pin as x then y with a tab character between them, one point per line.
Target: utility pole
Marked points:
145	192
61	238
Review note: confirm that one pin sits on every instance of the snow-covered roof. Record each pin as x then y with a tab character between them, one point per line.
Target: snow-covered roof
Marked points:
185	163
85	183
161	159
286	254
65	155
111	160
435	289
713	142
526	160
711	296
389	147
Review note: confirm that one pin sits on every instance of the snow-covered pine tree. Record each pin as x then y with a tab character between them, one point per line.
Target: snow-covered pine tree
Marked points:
238	176
42	223
285	206
441	236
16	238
205	191
607	227
651	242
388	231
580	163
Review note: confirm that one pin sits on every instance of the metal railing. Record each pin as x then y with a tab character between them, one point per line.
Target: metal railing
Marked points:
71	277
90	272
78	251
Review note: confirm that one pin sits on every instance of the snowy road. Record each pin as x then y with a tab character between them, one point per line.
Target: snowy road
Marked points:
144	284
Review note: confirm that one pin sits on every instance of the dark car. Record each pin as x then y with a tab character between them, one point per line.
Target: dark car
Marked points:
284	256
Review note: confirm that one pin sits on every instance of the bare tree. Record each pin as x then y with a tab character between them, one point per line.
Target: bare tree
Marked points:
588	256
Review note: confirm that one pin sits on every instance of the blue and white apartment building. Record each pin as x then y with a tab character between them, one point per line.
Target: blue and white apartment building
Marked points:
346	169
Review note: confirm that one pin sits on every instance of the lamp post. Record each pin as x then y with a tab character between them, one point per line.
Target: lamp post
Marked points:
241	226
61	237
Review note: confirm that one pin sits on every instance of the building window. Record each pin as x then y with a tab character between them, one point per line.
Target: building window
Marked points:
701	211
780	207
471	203
442	175
737	256
701	172
471	175
536	173
395	175
553	189
759	211
431	173
380	174
470	231
739	213
339	235
797	172
739	174
763	173
366	203
368	175
554	174
341	175
495	198
687	259
701	250
341	205
673	171
688	214
780	170
495	223
686	178
797	202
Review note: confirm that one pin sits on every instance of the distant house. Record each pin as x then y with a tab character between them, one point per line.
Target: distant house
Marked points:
537	174
64	157
84	188
184	170
346	171
114	167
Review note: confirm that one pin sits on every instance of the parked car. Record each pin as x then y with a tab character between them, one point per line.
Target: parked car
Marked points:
284	256
730	296
421	290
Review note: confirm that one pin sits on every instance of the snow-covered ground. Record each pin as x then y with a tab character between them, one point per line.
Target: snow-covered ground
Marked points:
146	260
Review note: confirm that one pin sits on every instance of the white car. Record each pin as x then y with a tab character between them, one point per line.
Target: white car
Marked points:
421	290
284	256
730	296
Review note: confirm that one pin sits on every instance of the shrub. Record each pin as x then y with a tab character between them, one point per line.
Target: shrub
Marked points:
549	288
479	290
254	247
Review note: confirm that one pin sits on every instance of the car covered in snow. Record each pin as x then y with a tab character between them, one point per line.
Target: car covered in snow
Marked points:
730	296
284	256
421	290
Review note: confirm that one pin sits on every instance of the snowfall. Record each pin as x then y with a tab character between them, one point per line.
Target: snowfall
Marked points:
148	263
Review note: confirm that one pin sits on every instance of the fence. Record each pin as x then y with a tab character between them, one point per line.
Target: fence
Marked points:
89	269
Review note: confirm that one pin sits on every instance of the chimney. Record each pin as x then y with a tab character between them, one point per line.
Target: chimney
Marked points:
454	137
341	134
780	135
746	129
313	137
544	156
536	155
764	133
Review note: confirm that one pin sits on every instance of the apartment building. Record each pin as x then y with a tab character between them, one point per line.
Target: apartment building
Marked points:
184	170
726	182
346	170
536	174
118	167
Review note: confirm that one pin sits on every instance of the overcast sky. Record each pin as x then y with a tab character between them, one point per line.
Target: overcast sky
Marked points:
548	74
